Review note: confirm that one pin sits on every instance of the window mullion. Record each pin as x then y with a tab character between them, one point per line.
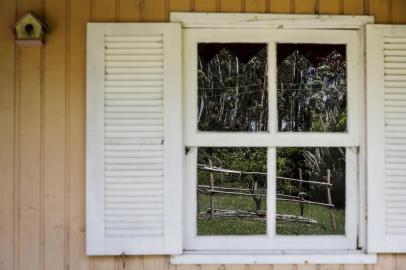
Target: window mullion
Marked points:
271	192
272	89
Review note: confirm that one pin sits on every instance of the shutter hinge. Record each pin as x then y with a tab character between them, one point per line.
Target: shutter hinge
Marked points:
358	244
123	259
355	149
187	149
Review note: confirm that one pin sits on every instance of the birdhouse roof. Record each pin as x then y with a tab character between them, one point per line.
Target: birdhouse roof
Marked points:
36	17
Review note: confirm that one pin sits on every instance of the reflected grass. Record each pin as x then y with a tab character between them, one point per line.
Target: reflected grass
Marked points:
255	226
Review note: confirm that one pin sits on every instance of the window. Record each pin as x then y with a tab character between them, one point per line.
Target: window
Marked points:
272	123
275	143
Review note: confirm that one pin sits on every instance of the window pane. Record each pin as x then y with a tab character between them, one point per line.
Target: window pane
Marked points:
312	88
232	87
306	203
231	191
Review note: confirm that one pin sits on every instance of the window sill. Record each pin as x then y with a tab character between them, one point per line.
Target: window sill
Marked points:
333	257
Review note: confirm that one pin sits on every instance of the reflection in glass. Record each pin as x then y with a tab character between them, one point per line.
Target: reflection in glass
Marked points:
312	88
310	191
232	87
231	191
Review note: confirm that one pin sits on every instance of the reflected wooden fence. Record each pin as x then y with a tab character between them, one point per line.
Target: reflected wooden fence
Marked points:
214	190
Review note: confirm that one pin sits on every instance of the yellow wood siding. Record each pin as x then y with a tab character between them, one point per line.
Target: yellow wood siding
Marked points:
42	120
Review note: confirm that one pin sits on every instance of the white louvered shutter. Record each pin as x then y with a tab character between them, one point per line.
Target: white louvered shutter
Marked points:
134	139
386	137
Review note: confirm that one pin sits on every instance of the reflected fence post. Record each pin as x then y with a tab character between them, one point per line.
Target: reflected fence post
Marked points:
301	193
329	201
211	190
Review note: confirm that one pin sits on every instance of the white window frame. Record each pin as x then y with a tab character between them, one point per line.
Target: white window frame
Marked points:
353	140
271	139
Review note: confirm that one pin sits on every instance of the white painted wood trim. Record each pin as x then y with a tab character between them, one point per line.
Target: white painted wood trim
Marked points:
95	140
97	242
361	183
375	139
252	20
190	195
351	195
271	193
378	238
333	257
174	149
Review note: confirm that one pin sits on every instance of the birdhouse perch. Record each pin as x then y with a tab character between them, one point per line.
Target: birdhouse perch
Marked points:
30	30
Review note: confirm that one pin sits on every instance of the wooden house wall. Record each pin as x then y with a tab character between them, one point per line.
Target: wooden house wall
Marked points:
42	127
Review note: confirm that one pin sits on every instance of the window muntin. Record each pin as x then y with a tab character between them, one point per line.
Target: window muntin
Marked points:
271	140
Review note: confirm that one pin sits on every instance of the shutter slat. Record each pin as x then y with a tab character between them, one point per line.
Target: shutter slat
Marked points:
399	96
134	96
130	201
395	109
395	59
395	84
134	70
132	233
133	219
395	71
131	58
150	186
395	141
389	39
133	45
132	226
132	180
146	135
118	167
131	83
137	77
138	38
133	102
395	53
134	193
130	141
113	147
139	122
133	90
133	64
158	51
139	176
141	128
133	116
390	90
134	153
140	109
394	46
395	78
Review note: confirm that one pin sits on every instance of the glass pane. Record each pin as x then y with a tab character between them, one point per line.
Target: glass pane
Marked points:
312	88
310	191
231	191
232	87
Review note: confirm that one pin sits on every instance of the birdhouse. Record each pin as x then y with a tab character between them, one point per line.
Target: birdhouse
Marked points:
30	30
